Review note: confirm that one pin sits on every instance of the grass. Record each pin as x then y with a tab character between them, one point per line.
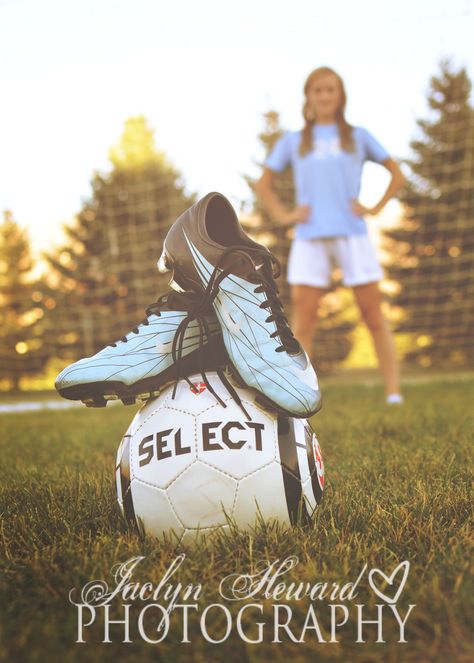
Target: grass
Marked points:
397	488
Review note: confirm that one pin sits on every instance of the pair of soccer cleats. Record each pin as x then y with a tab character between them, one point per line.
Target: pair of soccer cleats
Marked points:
224	314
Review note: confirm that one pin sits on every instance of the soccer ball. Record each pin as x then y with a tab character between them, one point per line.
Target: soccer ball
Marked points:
188	465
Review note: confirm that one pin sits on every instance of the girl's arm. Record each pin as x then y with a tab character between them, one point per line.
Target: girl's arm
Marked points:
395	184
273	205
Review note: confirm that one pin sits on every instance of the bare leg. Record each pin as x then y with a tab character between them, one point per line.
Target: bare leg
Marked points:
305	300
369	300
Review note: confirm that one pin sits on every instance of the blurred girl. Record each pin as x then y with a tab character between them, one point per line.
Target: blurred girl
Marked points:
326	157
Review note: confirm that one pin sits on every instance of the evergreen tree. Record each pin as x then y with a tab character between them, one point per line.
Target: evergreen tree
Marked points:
332	341
276	237
432	250
22	350
105	275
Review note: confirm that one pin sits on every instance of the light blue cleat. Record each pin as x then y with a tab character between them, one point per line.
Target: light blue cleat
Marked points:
141	363
208	253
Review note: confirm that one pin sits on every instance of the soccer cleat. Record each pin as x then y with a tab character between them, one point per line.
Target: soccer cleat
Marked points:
208	253
141	363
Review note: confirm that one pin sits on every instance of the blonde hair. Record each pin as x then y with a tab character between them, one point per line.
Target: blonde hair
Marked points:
345	129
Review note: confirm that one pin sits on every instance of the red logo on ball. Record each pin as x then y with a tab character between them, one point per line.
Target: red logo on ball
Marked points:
198	388
318	457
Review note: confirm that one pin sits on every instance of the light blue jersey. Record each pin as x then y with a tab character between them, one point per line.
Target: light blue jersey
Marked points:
327	178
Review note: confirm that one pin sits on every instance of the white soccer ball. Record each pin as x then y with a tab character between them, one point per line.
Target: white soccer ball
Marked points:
188	465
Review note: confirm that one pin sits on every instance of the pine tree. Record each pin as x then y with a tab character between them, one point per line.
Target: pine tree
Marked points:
105	275
332	341
432	250
22	350
277	238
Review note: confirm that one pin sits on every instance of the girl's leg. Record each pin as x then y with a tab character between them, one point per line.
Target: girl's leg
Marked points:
369	300
305	303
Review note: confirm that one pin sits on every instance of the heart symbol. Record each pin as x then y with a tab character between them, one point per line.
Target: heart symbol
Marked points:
403	565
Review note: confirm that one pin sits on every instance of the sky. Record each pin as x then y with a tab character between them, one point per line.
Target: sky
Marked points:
203	73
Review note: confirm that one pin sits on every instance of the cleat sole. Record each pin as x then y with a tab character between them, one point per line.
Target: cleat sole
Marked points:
97	394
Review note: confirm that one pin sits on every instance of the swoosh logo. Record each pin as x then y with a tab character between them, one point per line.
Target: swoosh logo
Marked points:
229	321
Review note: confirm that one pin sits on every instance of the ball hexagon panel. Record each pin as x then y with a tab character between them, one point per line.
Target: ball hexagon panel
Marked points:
147	410
201	494
195	399
233	443
309	495
261	492
164	445
153	508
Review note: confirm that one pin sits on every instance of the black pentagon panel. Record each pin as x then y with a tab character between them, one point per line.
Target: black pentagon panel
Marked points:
125	482
297	510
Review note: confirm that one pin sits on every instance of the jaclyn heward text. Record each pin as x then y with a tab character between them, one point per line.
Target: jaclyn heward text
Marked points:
170	605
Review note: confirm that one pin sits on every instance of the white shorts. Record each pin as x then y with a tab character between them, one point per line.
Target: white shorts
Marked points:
312	261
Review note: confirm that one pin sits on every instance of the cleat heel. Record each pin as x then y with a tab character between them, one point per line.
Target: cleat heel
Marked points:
163	264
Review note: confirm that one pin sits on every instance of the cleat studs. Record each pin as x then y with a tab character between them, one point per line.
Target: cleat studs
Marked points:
128	400
111	397
150	396
95	402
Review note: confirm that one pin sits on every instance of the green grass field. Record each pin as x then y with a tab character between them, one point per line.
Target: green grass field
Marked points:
397	488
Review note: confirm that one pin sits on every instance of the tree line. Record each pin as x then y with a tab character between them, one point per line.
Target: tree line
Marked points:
95	286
